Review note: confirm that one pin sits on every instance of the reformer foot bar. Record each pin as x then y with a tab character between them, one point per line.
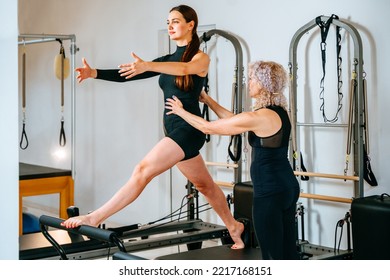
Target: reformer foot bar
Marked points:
86	242
91	232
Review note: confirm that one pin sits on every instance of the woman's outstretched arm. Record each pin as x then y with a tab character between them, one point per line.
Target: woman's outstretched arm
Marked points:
198	65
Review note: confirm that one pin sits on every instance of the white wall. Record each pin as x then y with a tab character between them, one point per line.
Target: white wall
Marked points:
118	123
9	219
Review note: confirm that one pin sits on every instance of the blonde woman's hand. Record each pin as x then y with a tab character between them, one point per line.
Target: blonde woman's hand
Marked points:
174	105
203	96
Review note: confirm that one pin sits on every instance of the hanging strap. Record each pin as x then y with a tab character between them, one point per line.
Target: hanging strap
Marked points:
303	178
383	196
303	168
235	145
324	27
62	134
353	85
234	149
62	140
24	140
368	175
205	109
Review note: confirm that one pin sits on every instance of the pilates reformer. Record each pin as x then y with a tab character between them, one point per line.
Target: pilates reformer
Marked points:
87	242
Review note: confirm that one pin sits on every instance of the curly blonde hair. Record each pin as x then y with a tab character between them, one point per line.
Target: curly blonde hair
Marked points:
273	79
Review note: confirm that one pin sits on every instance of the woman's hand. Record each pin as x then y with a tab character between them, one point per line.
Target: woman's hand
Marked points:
130	70
203	96
85	72
174	105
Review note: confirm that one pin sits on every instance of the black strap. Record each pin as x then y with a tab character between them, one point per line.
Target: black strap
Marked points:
205	109
368	175
303	168
62	135
62	130
383	196
205	115
303	178
23	138
324	27
236	144
24	134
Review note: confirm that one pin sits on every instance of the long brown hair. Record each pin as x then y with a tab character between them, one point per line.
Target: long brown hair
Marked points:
185	82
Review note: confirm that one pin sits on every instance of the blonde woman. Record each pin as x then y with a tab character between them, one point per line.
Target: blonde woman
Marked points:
275	187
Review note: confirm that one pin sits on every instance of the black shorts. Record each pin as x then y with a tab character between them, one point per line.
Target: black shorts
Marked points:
189	139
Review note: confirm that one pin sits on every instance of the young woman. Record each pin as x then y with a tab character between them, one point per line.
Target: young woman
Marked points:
275	187
181	74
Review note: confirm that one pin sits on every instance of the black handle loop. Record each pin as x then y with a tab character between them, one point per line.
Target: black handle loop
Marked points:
237	141
383	196
62	135
23	138
303	168
304	178
368	174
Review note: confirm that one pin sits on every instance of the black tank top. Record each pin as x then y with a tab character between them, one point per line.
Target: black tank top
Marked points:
270	170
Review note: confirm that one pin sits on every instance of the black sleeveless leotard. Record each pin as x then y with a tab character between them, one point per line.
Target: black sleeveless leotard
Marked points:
187	137
275	192
271	171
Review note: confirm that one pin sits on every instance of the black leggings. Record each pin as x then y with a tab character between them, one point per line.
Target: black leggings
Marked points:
274	224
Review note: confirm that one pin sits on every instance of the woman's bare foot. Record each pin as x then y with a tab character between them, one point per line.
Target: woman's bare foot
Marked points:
77	221
235	234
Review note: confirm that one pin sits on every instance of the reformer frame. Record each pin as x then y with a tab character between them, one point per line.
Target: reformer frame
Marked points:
238	85
27	39
358	124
